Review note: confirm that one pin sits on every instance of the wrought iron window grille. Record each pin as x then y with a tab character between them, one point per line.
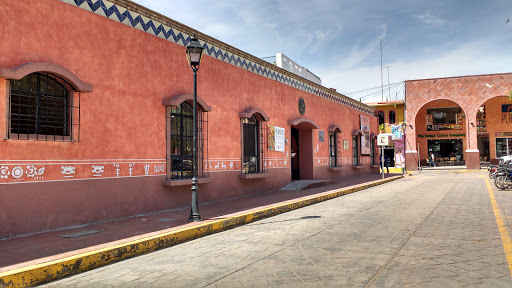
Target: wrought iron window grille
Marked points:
355	150
42	107
179	142
254	144
333	149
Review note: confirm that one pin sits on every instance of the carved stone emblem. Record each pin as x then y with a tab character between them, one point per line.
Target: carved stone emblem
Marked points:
302	106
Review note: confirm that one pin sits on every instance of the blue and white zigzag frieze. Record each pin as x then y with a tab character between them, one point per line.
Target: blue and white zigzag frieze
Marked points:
133	19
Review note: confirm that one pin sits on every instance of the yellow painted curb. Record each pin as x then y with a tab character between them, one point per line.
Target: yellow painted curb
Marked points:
54	270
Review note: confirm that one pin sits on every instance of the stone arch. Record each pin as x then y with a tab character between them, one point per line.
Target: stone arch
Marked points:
303	123
334	128
247	113
420	127
32	67
178	99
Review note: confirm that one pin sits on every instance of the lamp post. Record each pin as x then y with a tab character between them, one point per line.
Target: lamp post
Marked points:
194	53
404	126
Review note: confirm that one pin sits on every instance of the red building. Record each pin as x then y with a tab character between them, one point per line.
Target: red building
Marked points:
95	106
461	120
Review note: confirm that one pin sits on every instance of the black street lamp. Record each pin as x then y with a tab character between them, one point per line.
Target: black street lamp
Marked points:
194	53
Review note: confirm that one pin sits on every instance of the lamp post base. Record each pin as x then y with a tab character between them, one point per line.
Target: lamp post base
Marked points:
194	218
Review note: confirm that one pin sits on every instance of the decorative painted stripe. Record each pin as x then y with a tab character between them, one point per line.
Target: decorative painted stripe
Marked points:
42	172
120	14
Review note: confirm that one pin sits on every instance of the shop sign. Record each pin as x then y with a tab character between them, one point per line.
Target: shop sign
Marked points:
442	135
506	117
502	134
382	140
441	127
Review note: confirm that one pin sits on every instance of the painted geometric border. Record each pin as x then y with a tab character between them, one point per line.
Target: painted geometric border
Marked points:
133	19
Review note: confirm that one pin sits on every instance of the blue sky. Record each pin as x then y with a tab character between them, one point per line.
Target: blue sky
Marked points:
339	40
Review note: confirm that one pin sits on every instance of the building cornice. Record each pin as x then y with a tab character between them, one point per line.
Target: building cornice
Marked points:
149	21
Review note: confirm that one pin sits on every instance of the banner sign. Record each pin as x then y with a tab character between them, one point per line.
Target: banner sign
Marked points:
396	132
271	139
365	138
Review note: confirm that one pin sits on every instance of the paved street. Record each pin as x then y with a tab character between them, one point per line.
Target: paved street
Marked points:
429	230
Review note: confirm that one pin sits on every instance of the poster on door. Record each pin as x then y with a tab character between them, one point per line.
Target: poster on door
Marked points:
271	138
279	138
365	138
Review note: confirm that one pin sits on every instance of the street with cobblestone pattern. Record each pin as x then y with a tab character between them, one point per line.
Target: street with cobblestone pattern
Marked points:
428	230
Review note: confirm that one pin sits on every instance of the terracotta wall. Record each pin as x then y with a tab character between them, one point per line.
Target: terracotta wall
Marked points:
122	122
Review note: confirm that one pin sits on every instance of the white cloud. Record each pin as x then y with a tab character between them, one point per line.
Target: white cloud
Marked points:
465	59
430	19
384	31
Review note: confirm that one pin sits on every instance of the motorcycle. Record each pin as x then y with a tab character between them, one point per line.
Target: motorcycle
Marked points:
503	178
494	168
492	171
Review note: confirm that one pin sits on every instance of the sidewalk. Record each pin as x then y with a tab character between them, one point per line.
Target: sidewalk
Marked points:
44	257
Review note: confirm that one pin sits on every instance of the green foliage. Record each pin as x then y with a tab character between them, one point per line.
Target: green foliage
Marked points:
381	127
510	95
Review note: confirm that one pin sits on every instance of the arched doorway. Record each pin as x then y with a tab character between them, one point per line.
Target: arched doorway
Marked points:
441	127
301	136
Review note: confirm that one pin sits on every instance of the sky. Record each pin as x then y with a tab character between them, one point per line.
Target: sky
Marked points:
339	40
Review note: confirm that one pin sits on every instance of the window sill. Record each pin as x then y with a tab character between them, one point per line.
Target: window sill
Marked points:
34	137
357	167
335	168
186	182
254	176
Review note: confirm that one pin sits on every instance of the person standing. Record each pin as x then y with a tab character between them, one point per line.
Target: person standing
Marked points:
432	160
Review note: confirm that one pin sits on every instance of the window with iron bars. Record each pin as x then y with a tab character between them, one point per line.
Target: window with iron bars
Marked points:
180	135
355	150
41	108
254	132
333	149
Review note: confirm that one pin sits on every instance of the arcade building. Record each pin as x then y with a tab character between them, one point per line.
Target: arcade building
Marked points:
461	120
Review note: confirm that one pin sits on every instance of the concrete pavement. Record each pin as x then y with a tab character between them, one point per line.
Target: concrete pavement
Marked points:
44	257
432	230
